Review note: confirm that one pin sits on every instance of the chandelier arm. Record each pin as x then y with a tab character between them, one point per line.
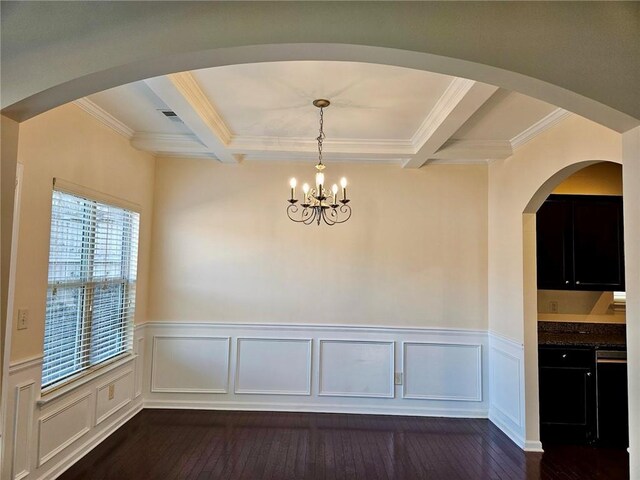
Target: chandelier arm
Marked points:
293	210
345	209
327	218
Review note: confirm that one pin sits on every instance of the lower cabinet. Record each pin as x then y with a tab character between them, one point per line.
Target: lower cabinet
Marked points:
567	395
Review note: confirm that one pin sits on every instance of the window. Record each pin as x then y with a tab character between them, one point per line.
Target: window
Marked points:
92	283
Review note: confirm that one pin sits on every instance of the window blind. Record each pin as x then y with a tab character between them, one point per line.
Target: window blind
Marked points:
92	283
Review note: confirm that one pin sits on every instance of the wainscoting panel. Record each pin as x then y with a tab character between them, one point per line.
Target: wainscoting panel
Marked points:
316	368
122	391
506	378
139	367
442	371
273	366
351	368
22	426
190	364
62	426
45	435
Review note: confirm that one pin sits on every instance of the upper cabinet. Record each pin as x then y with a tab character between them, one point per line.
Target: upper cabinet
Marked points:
580	243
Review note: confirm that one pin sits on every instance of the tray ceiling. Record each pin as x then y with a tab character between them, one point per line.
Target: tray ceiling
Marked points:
378	113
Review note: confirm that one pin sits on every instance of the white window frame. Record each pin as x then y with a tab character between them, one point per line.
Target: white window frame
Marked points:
69	383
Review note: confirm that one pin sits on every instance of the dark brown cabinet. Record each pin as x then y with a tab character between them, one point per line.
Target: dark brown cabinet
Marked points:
580	244
567	395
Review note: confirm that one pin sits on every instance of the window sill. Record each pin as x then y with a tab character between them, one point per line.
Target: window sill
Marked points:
83	378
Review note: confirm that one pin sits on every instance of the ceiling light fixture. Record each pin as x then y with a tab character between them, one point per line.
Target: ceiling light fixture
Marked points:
319	204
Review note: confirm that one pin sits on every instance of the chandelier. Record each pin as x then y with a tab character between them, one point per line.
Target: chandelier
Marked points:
319	204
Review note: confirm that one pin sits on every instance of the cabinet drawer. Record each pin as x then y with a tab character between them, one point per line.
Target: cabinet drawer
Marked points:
566	357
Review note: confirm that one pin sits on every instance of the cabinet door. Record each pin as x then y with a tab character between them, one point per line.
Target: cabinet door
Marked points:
554	245
567	404
598	247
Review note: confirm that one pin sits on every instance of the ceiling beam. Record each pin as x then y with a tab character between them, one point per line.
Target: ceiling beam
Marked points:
472	151
458	103
171	145
183	95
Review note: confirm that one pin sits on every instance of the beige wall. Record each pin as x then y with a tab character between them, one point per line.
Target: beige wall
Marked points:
413	254
517	186
631	172
70	144
599	179
512	185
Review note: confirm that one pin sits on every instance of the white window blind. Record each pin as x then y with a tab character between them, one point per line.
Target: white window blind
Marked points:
92	285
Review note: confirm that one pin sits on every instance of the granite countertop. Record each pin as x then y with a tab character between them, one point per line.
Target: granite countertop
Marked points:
598	335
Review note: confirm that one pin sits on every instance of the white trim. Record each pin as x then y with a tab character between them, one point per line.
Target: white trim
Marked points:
25	364
155	389
87	428
306	392
104	117
316	408
318	327
115	408
453	94
378	146
392	361
6	335
495	418
479	377
84	377
540	126
68	461
533	446
18	389
472	151
167	144
188	86
60	184
139	368
495	405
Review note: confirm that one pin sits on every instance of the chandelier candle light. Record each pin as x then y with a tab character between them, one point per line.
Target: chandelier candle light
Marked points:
319	204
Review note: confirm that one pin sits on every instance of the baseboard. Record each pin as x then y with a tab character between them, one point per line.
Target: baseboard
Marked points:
533	446
514	436
315	408
67	462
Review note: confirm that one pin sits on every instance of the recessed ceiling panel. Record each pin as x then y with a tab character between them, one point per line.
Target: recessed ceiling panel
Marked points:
135	105
368	101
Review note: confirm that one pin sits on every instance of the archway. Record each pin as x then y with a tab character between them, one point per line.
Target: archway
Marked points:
59	53
530	286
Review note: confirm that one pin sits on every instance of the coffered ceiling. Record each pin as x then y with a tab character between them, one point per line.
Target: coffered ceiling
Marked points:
378	113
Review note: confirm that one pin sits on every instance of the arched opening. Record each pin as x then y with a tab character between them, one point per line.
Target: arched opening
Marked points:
541	305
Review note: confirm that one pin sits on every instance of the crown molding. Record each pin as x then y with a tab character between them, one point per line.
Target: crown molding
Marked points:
189	88
474	150
170	144
454	93
381	147
540	126
104	117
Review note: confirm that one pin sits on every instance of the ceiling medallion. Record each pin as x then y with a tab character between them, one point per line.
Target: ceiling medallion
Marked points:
319	205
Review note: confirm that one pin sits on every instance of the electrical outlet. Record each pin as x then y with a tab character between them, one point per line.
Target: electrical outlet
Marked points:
397	378
23	318
553	306
112	391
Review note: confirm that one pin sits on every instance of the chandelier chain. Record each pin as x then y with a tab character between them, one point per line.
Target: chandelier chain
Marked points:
320	136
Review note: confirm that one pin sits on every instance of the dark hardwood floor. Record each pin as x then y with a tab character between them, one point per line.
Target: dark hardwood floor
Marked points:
187	444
